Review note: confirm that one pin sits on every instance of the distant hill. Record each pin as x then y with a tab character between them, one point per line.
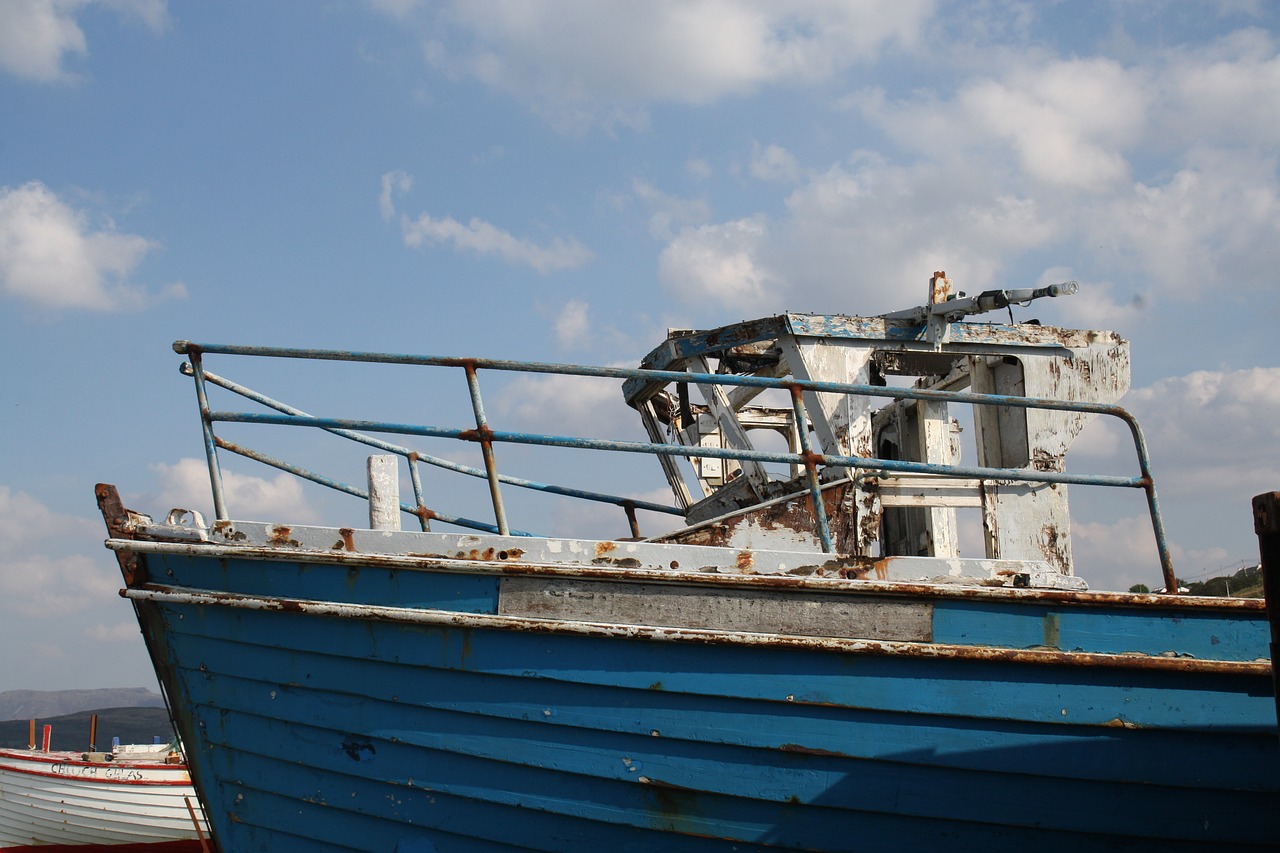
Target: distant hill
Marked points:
1246	583
25	704
71	731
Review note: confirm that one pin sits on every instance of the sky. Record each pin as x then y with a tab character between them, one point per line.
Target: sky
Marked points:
566	180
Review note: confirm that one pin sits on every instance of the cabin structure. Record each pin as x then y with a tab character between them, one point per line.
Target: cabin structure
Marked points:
877	509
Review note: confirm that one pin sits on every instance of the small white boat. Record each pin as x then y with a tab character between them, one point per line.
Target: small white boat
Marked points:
135	797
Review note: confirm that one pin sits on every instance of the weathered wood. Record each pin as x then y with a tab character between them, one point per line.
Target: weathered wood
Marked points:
384	493
753	611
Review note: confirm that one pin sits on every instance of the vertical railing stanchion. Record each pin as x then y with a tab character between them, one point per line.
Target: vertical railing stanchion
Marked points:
418	499
485	436
206	424
1153	504
630	508
811	469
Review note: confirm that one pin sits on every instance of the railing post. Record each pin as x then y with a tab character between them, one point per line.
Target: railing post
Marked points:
630	508
1153	504
419	501
1266	523
811	467
384	493
486	448
206	424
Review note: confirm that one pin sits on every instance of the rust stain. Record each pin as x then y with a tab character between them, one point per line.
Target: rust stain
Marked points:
223	528
746	561
348	541
1121	723
618	562
808	750
603	548
280	535
1043	460
676	806
130	568
487	555
794	516
464	654
483	435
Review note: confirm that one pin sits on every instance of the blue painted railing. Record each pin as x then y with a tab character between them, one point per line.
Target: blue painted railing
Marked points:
486	436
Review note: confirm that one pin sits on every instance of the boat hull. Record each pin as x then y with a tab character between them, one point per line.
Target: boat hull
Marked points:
56	800
428	704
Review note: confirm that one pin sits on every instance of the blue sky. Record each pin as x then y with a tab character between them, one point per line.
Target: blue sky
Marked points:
564	181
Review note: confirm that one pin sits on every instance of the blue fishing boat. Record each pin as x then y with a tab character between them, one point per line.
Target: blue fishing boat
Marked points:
812	652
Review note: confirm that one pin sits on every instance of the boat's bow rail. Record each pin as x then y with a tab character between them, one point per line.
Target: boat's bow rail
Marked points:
857	480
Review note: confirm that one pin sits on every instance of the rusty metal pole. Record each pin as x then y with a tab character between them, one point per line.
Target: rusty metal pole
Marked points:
486	448
1266	523
811	468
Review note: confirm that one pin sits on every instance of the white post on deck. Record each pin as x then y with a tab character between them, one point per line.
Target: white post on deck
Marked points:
384	493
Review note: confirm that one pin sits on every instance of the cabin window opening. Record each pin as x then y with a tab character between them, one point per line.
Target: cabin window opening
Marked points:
937	514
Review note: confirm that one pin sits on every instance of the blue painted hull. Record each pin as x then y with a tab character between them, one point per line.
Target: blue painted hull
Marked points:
356	725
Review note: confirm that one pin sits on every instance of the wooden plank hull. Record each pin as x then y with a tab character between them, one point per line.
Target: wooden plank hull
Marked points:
56	800
351	703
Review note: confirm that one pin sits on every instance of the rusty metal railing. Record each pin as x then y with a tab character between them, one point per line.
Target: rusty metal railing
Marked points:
486	436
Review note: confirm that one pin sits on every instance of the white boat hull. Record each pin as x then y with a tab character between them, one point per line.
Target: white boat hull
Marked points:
58	798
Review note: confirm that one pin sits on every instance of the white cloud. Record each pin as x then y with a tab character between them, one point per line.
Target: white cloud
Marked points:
555	402
572	326
52	257
37	36
398	9
1213	432
152	13
24	520
863	237
720	264
669	211
589	520
698	168
585	59
1208	432
37	583
58	599
1211	437
1044	123
1225	92
39	579
393	183
118	632
1117	555
1137	173
1063	122
485	239
1214	220
774	163
185	485
1097	306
